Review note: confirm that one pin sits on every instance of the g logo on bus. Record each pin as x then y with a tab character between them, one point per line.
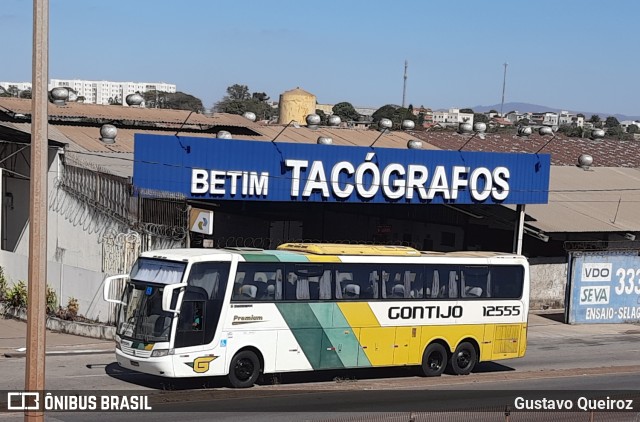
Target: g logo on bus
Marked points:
201	365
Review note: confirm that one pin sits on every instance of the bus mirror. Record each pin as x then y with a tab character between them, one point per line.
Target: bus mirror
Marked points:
107	292
167	296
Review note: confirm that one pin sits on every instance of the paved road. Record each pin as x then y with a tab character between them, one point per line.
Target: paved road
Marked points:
559	357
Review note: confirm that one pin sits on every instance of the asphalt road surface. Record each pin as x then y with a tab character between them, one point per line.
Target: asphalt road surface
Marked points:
560	360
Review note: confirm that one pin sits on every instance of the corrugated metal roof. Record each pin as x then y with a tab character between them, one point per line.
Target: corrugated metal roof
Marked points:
602	199
53	133
121	113
116	163
564	151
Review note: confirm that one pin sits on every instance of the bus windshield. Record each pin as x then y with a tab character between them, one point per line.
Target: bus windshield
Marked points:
141	317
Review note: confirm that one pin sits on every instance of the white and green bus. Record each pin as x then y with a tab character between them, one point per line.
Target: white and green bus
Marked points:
241	312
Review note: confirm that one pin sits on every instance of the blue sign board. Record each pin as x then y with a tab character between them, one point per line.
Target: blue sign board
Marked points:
604	287
222	169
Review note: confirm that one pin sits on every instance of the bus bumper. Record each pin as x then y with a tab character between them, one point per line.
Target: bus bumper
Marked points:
154	366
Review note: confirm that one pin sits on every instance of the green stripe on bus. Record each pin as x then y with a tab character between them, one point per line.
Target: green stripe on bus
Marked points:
310	335
259	257
343	337
286	256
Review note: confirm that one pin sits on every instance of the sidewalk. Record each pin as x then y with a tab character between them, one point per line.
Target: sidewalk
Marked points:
13	335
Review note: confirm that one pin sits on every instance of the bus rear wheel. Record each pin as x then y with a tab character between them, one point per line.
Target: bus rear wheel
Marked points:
464	359
434	360
244	369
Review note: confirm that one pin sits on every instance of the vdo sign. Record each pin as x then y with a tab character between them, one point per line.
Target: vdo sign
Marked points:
604	287
264	171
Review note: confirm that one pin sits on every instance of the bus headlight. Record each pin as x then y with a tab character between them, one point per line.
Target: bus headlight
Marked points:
161	352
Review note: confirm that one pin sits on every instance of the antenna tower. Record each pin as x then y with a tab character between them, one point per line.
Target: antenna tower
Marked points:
404	86
504	83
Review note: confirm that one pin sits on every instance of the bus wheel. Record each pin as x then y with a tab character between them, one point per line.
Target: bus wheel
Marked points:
434	360
464	359
244	369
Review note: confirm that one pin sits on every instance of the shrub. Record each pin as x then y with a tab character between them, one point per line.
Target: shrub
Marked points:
17	295
4	287
52	301
70	312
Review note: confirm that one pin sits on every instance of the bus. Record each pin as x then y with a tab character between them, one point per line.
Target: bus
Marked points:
244	312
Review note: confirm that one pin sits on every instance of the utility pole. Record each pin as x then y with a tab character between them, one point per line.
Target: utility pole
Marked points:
404	86
36	317
504	83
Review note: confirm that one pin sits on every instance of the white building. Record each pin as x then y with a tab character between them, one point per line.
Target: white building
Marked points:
626	123
20	86
100	92
452	117
567	118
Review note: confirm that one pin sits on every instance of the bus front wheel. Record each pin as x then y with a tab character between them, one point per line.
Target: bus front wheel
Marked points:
244	369
464	359
434	360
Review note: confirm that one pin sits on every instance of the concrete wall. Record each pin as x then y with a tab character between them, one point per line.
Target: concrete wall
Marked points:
66	280
548	282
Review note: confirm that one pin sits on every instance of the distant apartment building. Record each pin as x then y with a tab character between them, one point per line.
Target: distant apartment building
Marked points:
15	87
626	123
452	117
547	118
100	92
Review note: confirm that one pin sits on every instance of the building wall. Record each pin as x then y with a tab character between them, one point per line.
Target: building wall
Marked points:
99	92
548	282
68	281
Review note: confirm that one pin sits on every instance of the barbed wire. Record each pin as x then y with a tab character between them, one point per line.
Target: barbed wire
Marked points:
272	242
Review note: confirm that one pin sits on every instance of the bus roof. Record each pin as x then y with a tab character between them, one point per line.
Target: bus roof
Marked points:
343	249
309	252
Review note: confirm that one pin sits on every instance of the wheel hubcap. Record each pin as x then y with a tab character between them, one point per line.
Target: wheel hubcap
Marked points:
244	369
464	359
435	361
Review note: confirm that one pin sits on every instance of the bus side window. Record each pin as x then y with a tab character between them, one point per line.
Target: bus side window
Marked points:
474	281
453	284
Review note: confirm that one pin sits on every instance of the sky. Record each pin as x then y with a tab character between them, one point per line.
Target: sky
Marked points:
579	55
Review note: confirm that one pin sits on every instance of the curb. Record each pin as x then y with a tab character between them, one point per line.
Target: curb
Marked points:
62	352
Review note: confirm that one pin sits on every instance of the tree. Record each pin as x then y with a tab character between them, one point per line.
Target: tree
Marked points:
633	129
384	112
492	111
595	119
615	132
25	94
571	130
176	101
611	122
240	100
346	111
523	122
238	92
395	114
323	116
480	118
467	111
